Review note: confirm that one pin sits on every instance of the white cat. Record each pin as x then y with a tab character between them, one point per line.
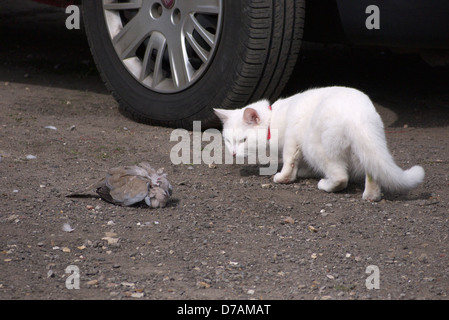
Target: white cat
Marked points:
334	132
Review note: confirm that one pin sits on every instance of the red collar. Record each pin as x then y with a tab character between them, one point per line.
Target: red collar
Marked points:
269	132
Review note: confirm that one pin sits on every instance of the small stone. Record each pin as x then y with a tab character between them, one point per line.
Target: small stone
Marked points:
137	295
203	285
289	220
12	217
128	284
66	250
312	229
250	291
110	234
423	258
266	186
110	240
92	282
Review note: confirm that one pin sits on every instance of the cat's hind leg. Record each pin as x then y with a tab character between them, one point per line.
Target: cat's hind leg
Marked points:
372	189
336	178
291	157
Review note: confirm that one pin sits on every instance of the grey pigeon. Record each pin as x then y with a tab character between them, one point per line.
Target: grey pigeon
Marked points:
133	184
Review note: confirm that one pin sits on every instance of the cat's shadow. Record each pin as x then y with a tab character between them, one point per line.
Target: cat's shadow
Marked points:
254	170
407	197
354	187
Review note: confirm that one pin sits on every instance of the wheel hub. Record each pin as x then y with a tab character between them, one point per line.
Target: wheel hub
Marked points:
165	44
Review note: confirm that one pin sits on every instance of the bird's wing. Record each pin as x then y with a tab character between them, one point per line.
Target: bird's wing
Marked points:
128	185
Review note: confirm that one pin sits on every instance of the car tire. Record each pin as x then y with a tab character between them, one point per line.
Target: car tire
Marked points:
253	49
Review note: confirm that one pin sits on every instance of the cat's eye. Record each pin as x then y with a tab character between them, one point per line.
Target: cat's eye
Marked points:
243	140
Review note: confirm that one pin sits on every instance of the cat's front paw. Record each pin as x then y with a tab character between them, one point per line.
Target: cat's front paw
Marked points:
280	178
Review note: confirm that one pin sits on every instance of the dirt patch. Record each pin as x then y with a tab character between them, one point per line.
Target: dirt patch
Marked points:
224	235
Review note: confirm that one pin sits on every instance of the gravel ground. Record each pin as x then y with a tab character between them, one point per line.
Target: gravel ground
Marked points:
228	232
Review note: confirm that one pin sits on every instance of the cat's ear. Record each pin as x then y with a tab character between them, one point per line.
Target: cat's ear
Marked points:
250	116
223	114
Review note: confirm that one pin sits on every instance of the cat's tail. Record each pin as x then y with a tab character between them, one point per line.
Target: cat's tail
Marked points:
376	160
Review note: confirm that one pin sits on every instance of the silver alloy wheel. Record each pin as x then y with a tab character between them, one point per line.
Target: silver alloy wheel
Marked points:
165	44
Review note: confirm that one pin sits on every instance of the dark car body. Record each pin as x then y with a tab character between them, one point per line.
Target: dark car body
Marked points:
403	23
59	3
